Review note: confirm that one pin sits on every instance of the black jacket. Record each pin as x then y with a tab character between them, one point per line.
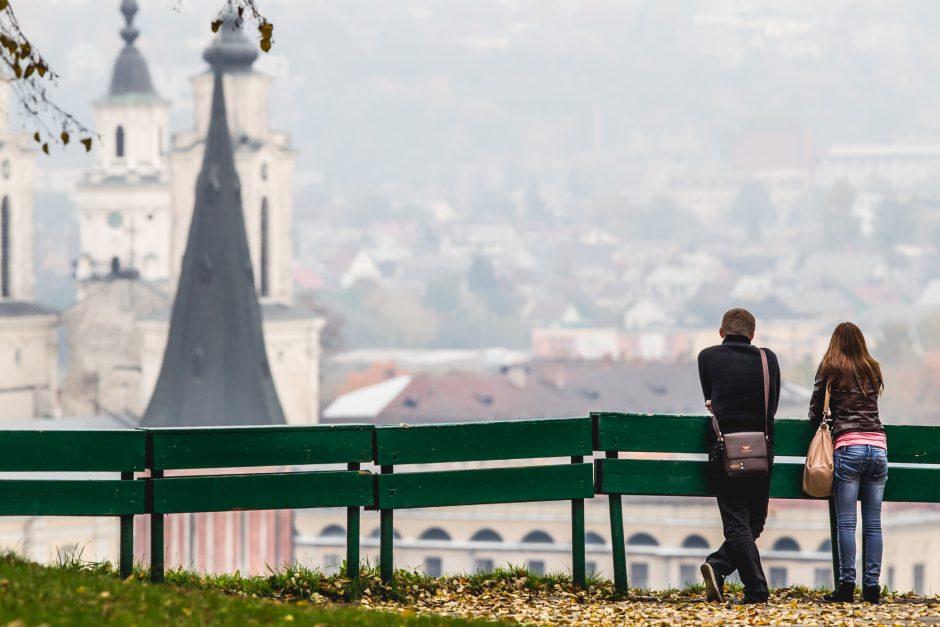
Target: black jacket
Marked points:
732	378
851	408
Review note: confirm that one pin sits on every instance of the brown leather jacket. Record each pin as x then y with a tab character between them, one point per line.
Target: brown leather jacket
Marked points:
851	408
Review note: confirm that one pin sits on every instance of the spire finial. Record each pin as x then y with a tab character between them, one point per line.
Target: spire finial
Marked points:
129	33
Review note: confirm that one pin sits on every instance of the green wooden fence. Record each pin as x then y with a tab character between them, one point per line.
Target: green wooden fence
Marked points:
204	470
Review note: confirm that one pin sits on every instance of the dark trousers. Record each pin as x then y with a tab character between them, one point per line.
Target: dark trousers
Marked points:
743	505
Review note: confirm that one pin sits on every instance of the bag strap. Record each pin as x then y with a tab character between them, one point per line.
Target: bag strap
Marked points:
826	401
765	371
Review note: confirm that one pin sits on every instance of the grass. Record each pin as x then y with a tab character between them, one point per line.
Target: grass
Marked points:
78	593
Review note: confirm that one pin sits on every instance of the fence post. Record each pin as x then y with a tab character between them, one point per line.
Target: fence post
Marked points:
127	537
834	540
387	537
577	536
156	534
352	537
616	537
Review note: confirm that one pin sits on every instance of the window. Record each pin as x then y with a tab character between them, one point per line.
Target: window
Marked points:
918	578
786	543
486	535
263	259
264	171
822	577
688	575
538	537
483	566
433	566
434	533
333	531
18	357
5	287
536	567
642	539
778	577
825	546
243	536
375	533
594	538
590	567
891	578
695	542
119	142
5	168
640	575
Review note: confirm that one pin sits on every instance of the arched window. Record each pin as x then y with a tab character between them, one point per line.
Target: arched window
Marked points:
5	287
434	533
825	546
593	538
378	531
333	531
119	142
263	258
486	535
538	537
642	539
695	542
786	543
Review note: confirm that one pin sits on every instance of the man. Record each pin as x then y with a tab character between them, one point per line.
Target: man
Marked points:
732	382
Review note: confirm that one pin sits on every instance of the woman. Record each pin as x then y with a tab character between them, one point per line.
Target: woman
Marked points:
854	381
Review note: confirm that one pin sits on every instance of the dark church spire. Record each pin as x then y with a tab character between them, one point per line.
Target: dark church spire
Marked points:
131	76
215	369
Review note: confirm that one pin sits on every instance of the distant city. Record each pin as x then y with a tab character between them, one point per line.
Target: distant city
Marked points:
501	210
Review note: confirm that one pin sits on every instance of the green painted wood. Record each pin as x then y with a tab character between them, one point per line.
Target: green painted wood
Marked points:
352	538
68	497
82	451
127	537
578	568
687	434
479	441
296	490
615	506
386	533
834	541
486	485
157	546
239	447
688	478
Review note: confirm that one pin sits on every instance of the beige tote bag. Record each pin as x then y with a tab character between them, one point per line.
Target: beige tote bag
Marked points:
818	471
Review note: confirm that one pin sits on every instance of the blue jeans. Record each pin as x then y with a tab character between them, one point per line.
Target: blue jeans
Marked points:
861	472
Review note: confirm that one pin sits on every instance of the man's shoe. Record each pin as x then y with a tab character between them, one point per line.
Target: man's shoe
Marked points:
844	594
713	584
872	594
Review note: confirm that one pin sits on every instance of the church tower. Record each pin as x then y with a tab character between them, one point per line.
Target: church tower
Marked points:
124	200
215	370
264	159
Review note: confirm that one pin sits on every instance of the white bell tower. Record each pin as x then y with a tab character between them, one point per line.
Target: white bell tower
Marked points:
124	200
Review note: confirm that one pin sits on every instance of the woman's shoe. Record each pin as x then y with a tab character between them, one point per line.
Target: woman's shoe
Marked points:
872	594
845	593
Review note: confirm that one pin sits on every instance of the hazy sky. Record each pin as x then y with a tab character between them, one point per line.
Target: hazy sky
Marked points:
380	91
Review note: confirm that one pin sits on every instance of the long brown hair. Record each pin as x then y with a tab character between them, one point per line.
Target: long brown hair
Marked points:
848	360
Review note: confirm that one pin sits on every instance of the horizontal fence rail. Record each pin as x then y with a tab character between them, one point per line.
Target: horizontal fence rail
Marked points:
156	472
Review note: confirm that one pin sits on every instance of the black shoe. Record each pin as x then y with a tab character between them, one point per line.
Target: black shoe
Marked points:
714	584
872	594
845	593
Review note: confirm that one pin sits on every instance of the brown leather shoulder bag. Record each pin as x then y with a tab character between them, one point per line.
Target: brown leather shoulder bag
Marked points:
746	454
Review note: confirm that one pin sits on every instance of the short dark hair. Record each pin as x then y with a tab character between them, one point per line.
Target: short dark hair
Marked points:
738	321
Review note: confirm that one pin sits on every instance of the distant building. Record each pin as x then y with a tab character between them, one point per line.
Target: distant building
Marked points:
899	167
28	339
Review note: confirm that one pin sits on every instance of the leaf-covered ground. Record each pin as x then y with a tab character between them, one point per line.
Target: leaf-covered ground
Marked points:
89	594
559	604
